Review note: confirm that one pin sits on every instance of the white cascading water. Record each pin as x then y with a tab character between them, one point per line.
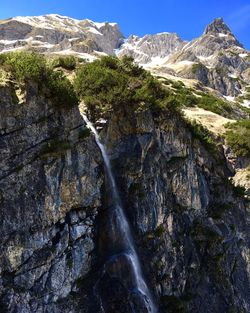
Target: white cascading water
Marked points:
122	224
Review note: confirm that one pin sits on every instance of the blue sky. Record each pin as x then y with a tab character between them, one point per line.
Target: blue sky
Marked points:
188	18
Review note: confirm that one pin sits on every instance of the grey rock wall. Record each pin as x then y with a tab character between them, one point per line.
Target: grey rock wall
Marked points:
50	193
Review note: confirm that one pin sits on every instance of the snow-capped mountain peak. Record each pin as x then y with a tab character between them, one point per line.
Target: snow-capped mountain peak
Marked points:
216	58
53	33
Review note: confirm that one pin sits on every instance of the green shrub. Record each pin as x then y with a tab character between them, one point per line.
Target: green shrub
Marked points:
204	235
26	66
136	189
159	231
61	90
84	133
174	304
186	97
55	147
217	209
239	191
101	86
214	104
183	95
237	137
196	67
68	63
178	84
203	135
3	76
164	80
129	67
3	57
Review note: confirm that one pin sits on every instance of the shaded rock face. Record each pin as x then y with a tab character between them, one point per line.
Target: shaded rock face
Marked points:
189	226
217	78
14	30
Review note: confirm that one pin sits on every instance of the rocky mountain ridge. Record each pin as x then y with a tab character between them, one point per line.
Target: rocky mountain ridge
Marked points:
53	33
216	59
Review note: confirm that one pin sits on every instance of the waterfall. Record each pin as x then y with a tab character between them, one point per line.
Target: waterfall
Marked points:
123	258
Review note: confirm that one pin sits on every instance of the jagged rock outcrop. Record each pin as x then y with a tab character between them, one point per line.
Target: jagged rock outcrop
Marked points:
217	59
218	26
217	36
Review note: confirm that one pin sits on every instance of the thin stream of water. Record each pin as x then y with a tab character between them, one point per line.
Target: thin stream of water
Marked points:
122	223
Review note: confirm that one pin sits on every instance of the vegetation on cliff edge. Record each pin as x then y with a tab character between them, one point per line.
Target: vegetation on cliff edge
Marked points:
32	67
238	137
189	97
110	83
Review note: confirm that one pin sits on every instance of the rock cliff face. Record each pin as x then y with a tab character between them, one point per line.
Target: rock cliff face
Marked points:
50	192
189	225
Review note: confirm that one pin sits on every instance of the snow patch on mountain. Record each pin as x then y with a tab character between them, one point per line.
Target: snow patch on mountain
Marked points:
222	35
243	55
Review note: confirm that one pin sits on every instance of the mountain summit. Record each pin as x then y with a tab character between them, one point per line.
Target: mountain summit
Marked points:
217	26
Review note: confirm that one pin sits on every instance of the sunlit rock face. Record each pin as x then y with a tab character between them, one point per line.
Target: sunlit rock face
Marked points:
217	59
